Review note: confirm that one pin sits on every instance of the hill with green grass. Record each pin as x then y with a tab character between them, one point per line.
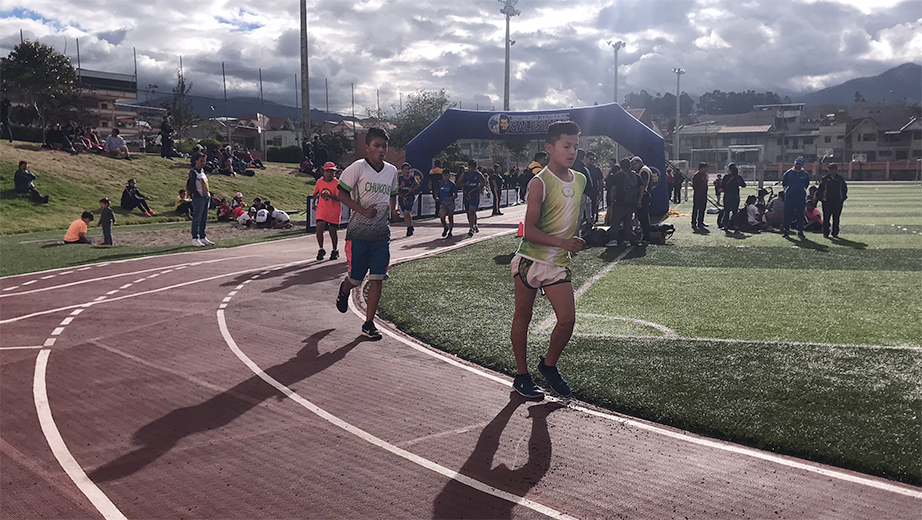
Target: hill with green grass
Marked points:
75	183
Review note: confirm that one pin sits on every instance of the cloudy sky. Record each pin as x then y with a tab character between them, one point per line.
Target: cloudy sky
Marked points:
389	48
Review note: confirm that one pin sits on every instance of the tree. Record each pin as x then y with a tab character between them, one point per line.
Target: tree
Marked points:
336	145
421	109
181	106
517	147
44	78
603	148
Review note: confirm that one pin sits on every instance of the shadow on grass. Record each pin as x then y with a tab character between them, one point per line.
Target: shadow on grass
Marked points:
503	259
702	231
611	253
848	243
806	243
736	234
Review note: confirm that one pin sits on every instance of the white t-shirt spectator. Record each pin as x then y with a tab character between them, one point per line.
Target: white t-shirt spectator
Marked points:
114	142
280	216
262	216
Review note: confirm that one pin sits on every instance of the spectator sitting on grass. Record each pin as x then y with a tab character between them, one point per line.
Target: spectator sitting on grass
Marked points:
133	198
306	166
76	233
754	216
184	204
116	147
56	139
774	212
258	203
23	182
224	211
226	162
246	218
813	216
280	219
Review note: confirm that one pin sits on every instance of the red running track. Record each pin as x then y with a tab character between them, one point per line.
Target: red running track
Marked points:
224	384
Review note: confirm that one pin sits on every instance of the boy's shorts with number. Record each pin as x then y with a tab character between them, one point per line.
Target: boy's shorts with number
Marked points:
367	257
447	207
329	224
536	275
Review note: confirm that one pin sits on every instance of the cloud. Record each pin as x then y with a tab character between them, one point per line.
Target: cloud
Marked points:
388	48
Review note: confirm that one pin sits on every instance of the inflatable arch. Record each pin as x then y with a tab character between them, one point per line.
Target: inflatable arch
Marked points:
610	120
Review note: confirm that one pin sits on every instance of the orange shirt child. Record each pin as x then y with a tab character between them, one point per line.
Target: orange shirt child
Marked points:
329	208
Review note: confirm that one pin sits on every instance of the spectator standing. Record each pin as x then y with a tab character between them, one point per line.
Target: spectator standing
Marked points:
795	182
730	185
76	233
116	146
700	188
832	193
133	198
166	138
23	181
496	187
5	129
448	192
142	145
373	182
597	180
625	201
677	179
529	173
106	220
197	186
646	186
320	153
435	175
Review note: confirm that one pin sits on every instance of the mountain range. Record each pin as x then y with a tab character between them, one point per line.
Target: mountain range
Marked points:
902	83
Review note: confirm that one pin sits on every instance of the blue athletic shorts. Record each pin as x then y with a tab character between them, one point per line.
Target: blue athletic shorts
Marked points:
370	258
473	202
409	205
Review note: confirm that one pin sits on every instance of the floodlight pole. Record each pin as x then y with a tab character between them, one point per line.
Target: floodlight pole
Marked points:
616	46
509	11
305	85
675	135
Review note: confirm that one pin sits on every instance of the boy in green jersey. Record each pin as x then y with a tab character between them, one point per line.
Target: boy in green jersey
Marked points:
542	261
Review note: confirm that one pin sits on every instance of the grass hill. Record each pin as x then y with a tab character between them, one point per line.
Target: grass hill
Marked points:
897	84
75	183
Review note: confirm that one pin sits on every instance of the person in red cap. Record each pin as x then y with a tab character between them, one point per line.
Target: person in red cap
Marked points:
328	209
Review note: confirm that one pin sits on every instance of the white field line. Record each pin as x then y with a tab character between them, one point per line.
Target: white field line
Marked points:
39	391
551	318
376	441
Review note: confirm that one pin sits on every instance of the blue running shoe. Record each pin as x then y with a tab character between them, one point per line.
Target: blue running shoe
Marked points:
554	379
370	331
525	385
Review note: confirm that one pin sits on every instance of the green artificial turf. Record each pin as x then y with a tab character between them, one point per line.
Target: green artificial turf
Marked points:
811	348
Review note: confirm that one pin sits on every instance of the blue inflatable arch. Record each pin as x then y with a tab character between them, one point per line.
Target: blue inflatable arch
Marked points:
610	120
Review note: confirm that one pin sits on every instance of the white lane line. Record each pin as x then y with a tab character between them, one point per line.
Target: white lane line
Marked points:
226	299
669	333
153	276
551	318
99	299
684	436
110	277
11	288
22	348
67	321
57	331
371	439
30	282
238	287
81	269
70	466
232	293
50	276
76	312
168	271
49	342
69	272
127	285
222	306
139	280
152	291
113	291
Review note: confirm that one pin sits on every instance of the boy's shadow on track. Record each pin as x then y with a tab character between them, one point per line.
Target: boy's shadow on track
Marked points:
308	272
806	243
457	500
158	437
848	243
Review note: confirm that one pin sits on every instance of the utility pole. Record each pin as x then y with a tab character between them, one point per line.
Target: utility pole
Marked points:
616	46
305	85
509	10
675	135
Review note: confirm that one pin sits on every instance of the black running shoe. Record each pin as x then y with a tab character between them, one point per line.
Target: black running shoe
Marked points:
525	385
334	254
342	299
370	331
554	379
445	231
321	253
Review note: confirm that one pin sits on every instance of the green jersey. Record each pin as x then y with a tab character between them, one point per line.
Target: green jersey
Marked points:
559	216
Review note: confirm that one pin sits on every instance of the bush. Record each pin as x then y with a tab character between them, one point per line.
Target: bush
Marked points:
27	133
285	154
185	145
212	143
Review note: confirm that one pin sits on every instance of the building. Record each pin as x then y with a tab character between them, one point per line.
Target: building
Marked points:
111	99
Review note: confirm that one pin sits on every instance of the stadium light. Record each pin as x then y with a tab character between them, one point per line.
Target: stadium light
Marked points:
509	11
616	46
675	135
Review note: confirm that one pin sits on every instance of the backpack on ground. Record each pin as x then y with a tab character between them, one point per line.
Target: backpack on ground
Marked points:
660	233
596	237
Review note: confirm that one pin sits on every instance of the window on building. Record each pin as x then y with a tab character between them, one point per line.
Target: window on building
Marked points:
275	141
104	124
840	138
780	141
917	153
884	153
104	106
869	137
808	140
902	155
827	139
917	134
